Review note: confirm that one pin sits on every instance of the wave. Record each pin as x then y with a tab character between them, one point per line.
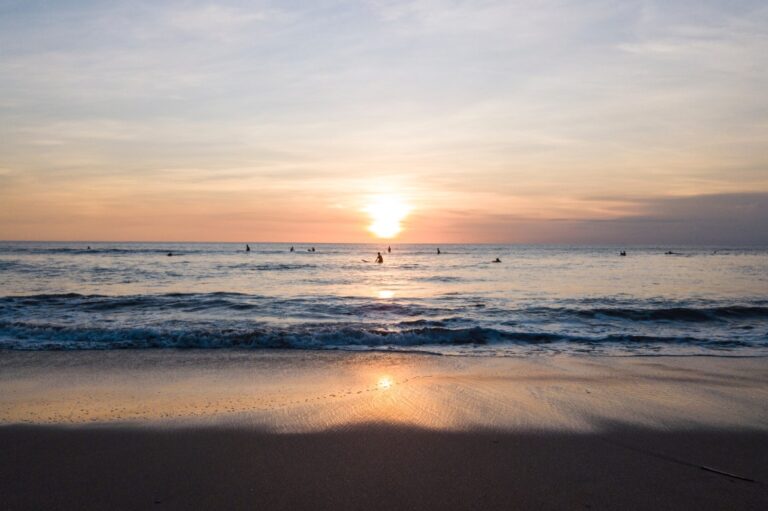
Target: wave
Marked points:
689	314
268	267
440	278
30	336
359	306
97	250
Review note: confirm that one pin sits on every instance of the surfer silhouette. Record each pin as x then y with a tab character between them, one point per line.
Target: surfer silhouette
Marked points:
247	247
379	259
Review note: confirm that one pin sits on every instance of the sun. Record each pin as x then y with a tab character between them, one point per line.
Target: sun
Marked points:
387	212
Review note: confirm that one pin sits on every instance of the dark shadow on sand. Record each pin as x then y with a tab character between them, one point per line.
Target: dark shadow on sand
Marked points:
378	467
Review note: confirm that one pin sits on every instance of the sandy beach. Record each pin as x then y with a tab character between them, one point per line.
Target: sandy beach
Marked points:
334	430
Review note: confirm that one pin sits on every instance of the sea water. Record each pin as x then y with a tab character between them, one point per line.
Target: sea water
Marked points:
538	299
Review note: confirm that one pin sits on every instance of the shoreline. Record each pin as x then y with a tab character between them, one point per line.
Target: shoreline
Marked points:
214	429
303	390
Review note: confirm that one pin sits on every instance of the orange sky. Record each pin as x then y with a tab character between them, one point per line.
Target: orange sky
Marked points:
504	122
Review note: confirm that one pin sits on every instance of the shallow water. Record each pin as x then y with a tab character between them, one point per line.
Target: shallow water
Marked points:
540	299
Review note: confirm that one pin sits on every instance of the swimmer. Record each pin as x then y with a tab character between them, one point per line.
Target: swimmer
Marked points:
379	259
170	254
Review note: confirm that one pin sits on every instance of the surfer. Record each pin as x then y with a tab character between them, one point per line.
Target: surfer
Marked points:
623	253
292	250
497	260
389	250
379	259
170	254
247	247
438	250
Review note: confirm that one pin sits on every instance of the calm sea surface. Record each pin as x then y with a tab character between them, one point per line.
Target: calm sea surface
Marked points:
537	300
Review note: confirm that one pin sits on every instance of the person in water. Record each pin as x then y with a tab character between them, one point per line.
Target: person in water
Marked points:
497	260
170	254
247	247
438	251
623	253
389	250
379	259
292	250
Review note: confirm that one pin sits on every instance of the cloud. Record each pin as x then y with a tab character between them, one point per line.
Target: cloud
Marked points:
216	21
739	219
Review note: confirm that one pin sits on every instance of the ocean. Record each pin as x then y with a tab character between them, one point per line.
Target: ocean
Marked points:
538	300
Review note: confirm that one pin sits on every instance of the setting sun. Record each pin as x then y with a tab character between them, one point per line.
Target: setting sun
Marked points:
387	212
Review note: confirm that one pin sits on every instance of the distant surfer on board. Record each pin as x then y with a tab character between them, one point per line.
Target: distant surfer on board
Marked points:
379	259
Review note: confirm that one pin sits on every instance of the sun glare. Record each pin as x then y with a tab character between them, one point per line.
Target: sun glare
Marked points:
385	382
387	212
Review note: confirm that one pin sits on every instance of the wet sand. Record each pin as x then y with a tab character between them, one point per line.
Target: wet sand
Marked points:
309	430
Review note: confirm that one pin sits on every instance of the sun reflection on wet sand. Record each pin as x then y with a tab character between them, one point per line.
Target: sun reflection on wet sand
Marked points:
309	391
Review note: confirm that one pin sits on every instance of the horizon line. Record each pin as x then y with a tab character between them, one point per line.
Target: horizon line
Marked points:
580	244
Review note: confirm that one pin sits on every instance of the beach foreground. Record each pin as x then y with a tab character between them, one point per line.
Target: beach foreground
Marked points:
322	430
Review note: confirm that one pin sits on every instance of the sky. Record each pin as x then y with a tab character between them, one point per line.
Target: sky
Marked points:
481	121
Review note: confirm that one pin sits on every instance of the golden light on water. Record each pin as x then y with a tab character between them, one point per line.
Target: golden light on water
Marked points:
386	293
387	213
